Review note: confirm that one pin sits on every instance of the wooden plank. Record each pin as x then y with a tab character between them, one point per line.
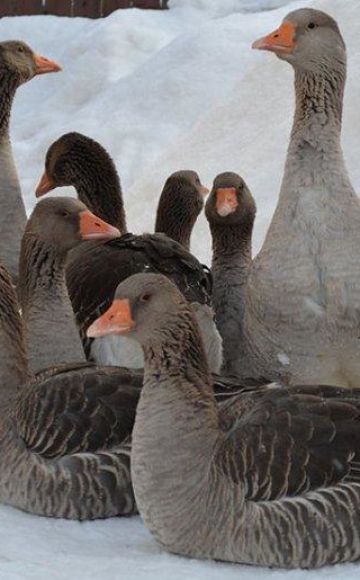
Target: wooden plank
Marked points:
109	6
87	8
57	7
20	7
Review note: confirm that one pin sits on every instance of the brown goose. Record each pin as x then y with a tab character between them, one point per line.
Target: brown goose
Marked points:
272	477
77	160
18	65
94	271
62	433
303	292
230	211
180	204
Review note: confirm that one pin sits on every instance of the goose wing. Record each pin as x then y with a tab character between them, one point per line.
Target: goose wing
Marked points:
79	408
288	441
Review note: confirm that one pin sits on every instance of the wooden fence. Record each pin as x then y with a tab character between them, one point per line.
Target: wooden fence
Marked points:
87	8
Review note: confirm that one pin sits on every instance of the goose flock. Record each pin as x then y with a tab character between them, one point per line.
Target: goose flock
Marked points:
221	403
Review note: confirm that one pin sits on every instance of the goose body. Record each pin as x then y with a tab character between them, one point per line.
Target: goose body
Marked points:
64	433
18	65
94	271
302	296
269	477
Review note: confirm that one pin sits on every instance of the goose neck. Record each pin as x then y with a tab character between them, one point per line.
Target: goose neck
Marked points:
99	189
51	332
232	245
13	357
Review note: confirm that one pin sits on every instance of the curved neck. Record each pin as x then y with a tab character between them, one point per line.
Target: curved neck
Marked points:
12	215
99	189
13	357
51	332
177	425
176	355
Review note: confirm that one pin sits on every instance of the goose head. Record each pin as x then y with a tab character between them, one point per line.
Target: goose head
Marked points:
308	39
144	305
64	222
63	162
18	60
230	201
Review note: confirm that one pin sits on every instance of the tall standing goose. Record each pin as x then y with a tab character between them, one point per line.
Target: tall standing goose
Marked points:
230	211
302	311
94	271
271	477
18	65
61	433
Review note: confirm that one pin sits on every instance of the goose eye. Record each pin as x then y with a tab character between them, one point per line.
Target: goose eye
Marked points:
145	297
311	25
20	49
64	213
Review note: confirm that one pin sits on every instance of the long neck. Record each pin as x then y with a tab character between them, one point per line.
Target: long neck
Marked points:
176	370
230	267
175	432
12	215
177	225
315	156
177	212
99	188
51	332
13	357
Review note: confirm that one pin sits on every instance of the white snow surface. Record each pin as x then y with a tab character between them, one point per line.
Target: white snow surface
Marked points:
161	91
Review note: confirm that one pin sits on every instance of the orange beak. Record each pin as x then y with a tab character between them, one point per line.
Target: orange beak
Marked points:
203	190
281	41
44	65
116	320
45	185
94	228
226	200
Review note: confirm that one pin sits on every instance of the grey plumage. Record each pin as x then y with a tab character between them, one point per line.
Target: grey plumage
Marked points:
269	477
302	297
17	66
64	434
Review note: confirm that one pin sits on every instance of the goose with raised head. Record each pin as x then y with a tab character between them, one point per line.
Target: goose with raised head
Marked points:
18	65
230	211
94	270
180	204
63	434
303	293
272	477
77	160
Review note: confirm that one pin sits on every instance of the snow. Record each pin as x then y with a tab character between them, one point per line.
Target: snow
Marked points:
161	91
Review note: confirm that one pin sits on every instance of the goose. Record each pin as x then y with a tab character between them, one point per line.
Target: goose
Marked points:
51	232
63	432
271	477
302	303
180	204
77	160
94	270
18	64
230	210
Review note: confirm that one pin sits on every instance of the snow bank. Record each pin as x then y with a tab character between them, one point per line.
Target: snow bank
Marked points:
161	91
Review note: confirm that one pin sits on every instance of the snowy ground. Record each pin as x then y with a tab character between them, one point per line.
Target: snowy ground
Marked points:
162	91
